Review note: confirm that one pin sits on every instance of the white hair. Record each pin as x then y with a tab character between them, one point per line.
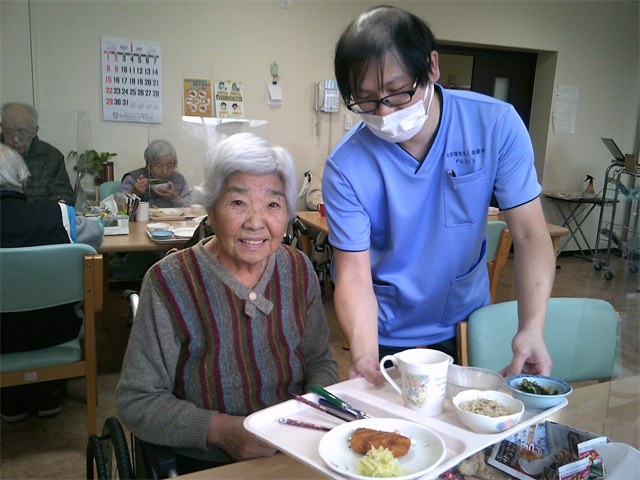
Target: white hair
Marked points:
33	113
13	170
247	153
158	149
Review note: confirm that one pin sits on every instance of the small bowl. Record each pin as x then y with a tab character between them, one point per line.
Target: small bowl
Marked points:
460	379
481	423
161	235
184	232
156	227
159	185
538	403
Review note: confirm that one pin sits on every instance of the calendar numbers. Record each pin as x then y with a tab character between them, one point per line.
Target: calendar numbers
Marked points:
131	80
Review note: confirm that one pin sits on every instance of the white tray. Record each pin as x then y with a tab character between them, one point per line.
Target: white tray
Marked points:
378	402
173	239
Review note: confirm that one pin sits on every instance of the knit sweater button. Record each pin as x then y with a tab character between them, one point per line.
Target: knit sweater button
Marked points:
253	296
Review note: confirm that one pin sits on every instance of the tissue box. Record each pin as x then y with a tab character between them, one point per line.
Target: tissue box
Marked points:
116	225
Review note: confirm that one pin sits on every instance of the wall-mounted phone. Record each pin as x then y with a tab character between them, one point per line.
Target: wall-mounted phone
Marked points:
327	96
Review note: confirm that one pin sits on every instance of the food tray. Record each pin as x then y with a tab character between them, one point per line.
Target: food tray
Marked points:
173	239
379	402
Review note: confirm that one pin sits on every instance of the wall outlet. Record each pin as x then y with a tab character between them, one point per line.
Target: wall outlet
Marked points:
348	121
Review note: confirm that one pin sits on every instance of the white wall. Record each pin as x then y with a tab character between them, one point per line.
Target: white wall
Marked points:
590	45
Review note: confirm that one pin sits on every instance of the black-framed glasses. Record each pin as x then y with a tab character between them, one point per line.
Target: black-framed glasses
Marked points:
393	100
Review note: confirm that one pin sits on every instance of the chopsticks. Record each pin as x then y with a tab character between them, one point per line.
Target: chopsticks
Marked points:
342	415
298	423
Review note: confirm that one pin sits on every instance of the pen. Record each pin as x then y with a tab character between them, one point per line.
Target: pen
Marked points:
298	423
342	415
452	175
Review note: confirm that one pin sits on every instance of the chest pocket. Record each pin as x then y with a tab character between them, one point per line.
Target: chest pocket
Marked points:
463	196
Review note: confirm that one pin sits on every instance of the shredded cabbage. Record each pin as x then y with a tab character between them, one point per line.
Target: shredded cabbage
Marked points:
380	463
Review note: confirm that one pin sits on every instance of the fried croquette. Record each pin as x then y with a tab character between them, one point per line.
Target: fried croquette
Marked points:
364	438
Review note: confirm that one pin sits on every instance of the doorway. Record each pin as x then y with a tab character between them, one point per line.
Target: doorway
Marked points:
503	74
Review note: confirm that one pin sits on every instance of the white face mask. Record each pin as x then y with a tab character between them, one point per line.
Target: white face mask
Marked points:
402	124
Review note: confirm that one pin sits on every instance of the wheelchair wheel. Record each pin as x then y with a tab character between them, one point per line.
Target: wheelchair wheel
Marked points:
115	451
95	458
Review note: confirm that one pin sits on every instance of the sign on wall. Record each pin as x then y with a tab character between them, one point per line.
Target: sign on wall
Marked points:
131	80
229	99
196	97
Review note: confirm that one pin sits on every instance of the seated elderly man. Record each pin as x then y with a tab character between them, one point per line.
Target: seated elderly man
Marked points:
161	161
49	177
27	224
230	326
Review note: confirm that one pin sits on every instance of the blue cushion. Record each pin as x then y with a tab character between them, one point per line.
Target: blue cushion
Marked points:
62	354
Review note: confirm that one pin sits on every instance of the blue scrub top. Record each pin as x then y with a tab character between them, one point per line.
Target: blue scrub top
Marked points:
425	223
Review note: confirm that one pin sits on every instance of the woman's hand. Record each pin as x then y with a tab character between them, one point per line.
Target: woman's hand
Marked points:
169	193
530	355
228	433
140	186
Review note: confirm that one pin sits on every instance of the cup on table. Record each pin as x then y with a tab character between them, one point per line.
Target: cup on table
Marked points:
424	378
320	209
142	214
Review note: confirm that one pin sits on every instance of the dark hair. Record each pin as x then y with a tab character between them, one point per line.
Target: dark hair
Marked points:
375	34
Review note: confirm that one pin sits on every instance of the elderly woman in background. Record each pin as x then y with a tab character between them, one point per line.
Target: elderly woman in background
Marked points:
161	161
230	326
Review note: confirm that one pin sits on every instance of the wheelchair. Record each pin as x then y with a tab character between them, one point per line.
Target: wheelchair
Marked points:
108	455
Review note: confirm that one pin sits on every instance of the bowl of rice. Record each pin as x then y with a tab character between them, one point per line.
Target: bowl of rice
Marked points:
487	411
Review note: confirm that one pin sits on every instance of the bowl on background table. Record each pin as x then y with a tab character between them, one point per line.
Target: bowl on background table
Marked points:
483	423
157	186
534	402
161	234
460	379
154	227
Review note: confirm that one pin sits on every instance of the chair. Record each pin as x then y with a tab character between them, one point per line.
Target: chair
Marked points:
498	246
33	278
107	188
581	335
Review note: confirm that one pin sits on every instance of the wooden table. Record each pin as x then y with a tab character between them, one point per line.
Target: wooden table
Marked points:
315	221
587	410
136	240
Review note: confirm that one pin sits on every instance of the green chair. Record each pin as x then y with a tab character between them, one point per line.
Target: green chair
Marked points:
107	188
581	335
33	278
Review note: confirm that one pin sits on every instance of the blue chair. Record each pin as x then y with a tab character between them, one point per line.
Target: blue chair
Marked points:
107	188
581	335
33	278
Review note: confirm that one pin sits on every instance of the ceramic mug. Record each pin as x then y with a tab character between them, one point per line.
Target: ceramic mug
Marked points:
142	214
424	378
320	209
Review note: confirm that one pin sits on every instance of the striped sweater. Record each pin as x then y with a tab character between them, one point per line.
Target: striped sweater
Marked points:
203	343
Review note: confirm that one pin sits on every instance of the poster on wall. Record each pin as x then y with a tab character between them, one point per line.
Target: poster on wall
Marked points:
131	80
229	99
197	98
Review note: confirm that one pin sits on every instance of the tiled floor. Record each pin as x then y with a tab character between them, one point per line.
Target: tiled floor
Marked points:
55	447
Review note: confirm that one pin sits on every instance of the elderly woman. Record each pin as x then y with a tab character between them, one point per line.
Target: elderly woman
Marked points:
232	325
161	162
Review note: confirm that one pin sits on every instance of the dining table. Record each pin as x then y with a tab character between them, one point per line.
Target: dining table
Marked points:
610	408
138	240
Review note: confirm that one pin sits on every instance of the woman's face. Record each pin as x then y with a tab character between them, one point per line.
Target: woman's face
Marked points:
249	219
163	168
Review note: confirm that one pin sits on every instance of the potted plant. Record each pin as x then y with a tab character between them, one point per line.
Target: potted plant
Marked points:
92	163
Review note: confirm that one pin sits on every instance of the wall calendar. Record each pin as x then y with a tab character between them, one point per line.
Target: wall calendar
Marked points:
131	80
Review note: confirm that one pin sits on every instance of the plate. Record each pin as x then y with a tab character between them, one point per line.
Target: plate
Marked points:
184	232
426	452
167	212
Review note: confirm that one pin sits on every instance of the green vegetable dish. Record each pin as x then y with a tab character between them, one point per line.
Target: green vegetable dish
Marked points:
532	387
